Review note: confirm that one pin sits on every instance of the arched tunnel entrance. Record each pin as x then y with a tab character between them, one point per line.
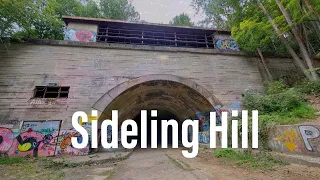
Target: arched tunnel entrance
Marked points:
172	96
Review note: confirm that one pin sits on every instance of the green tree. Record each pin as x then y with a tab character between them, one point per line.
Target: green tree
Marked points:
43	18
29	19
182	20
221	13
118	9
285	27
69	8
110	9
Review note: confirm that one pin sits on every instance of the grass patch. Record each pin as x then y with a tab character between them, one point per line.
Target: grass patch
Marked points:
10	160
30	168
247	159
296	115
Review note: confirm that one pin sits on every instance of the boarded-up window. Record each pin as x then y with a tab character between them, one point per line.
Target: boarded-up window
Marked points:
51	92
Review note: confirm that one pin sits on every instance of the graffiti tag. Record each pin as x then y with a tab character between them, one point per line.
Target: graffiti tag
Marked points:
227	44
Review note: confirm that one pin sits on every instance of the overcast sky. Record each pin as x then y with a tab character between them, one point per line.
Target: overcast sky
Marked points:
162	11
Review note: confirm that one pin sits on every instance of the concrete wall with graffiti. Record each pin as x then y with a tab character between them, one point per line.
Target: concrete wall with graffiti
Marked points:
80	35
39	139
204	120
227	44
301	139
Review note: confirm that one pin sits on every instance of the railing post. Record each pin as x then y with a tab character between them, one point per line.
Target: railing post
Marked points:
205	35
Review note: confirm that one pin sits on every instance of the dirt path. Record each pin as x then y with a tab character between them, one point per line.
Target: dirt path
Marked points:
153	164
215	169
170	164
156	164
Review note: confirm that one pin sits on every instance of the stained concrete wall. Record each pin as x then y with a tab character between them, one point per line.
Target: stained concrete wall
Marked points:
81	32
298	139
92	69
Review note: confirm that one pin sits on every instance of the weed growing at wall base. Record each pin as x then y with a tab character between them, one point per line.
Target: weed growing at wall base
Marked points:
259	160
190	131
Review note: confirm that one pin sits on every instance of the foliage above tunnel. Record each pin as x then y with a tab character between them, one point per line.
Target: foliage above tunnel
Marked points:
251	27
182	20
282	26
42	18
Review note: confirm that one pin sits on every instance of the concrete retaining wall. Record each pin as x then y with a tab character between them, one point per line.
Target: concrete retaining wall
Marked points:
92	72
299	139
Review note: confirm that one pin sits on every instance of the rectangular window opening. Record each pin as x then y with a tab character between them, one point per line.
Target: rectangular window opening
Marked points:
51	92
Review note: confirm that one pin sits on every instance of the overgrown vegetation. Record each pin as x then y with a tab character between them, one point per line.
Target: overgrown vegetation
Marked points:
43	18
282	105
309	87
248	159
286	27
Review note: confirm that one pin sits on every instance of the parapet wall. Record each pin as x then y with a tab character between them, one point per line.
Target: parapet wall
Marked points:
298	139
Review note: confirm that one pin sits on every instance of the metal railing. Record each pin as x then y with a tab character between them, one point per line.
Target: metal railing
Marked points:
156	37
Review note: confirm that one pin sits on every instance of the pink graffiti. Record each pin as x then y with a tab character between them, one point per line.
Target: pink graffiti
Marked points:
83	36
41	145
36	140
6	139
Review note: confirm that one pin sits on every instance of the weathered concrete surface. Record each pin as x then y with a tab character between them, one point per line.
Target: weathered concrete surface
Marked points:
94	69
298	139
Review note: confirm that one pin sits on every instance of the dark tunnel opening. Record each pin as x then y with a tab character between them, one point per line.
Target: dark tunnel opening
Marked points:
161	116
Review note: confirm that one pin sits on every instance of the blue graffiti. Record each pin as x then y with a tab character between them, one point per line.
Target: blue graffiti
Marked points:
227	44
204	137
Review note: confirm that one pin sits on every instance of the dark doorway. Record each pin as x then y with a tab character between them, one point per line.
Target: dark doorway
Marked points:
162	115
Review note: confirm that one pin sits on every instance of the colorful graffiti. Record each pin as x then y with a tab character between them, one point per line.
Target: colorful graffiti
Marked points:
296	139
34	144
227	44
311	137
26	143
44	127
204	119
290	138
204	137
64	146
80	35
235	105
39	139
6	139
109	137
